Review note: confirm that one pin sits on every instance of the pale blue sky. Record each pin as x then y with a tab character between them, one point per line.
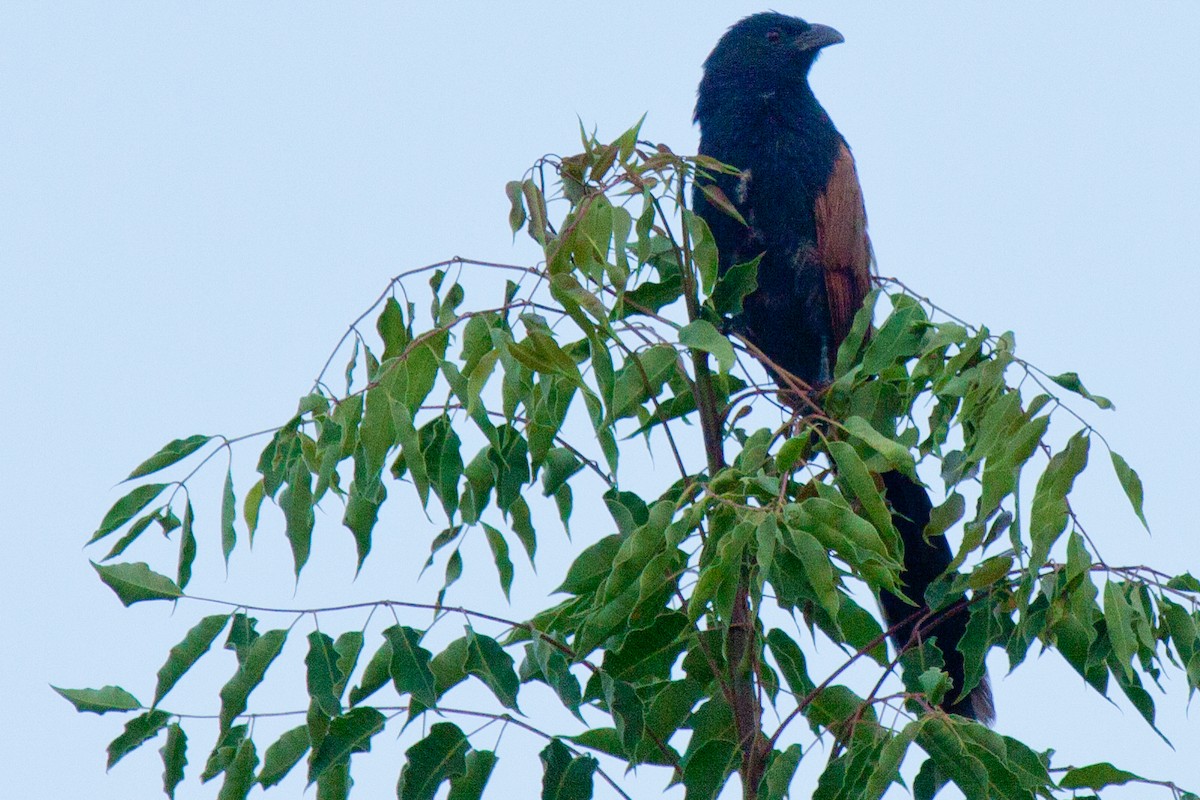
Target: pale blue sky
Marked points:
198	197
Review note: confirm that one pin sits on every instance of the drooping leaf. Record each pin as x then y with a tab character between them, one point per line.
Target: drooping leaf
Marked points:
1097	776
323	673
99	701
187	547
1070	381
470	784
135	530
702	335
239	775
185	654
1131	484
236	691
173	451
223	753
228	515
489	662
504	565
734	286
375	674
1049	516
439	757
251	506
136	582
627	712
283	755
349	733
297	504
138	731
127	508
410	665
174	758
566	777
348	647
777	780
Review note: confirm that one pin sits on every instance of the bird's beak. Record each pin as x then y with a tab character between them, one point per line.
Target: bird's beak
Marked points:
818	36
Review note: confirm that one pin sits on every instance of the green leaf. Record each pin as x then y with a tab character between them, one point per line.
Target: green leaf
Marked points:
470	784
704	250
173	451
223	753
778	778
348	647
335	784
1131	483
791	661
627	712
547	663
137	732
489	662
362	512
886	769
323	673
375	675
854	476
591	566
1049	516
709	768
896	454
430	762
566	777
99	701
236	692
702	335
440	447
297	504
135	583
239	775
1186	582
350	733
135	530
391	329
648	651
187	547
1097	776
504	565
228	514
174	758
127	508
1070	381
185	654
283	755
410	665
1119	621
732	288
252	505
516	214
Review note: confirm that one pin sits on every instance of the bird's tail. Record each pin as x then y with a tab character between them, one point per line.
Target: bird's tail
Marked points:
924	562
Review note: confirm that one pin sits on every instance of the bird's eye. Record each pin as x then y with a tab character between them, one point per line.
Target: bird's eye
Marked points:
772	36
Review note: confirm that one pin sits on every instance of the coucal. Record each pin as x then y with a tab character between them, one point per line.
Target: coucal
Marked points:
799	195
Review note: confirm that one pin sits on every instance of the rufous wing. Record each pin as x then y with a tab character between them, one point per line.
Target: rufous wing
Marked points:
843	247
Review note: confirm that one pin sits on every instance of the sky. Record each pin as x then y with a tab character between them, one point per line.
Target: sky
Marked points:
198	198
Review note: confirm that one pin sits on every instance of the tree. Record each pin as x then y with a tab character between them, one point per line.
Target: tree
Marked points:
687	619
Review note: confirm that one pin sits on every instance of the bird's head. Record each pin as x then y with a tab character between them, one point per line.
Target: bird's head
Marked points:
765	52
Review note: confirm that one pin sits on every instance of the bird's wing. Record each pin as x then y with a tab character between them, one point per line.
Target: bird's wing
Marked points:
843	248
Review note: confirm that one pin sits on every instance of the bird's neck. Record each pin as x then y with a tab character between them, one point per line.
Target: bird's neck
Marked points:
763	109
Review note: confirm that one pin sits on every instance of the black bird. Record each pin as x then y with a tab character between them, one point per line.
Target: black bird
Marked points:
799	194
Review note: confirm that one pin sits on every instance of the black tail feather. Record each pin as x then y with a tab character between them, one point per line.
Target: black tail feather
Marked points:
924	562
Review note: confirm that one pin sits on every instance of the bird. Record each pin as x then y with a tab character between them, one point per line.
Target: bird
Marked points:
801	205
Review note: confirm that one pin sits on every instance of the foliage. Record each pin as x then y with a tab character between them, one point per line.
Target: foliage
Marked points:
683	615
